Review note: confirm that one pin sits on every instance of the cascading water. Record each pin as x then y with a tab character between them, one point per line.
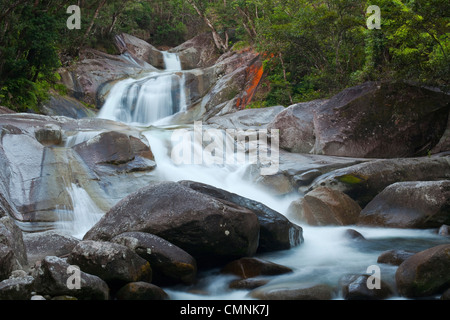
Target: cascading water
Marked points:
146	100
325	256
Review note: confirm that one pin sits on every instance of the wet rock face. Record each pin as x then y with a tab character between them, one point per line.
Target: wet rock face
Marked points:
41	157
115	151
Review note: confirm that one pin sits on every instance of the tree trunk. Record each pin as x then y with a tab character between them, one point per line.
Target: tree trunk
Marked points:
285	78
88	30
220	44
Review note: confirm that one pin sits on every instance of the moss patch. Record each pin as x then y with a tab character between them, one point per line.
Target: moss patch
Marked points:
352	179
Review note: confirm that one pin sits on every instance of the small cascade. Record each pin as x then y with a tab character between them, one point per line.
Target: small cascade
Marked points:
83	214
149	99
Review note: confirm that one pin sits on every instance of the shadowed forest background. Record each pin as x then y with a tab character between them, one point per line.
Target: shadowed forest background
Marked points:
310	48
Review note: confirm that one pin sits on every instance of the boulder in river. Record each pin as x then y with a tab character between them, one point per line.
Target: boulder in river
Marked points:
114	263
141	291
52	276
394	257
170	264
48	243
210	229
276	231
294	291
414	204
425	273
355	287
363	181
116	152
325	206
381	120
252	267
17	288
296	125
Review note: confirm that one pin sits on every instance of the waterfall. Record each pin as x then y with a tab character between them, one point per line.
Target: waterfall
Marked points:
146	100
83	214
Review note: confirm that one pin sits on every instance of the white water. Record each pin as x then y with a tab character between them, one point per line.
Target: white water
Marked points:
324	257
83	215
146	100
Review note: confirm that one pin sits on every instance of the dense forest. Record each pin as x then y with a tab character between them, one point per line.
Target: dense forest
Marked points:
311	48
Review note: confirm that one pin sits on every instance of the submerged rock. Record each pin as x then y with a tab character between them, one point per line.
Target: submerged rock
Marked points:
301	291
252	267
394	257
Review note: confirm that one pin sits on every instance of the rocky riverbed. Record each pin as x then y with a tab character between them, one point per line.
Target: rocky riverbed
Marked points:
95	209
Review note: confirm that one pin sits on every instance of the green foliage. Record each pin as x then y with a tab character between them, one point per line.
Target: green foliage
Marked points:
311	48
326	46
28	53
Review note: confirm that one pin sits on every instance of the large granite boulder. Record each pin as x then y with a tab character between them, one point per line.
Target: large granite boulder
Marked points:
45	160
381	120
276	231
363	181
211	230
296	125
414	204
425	273
170	264
325	206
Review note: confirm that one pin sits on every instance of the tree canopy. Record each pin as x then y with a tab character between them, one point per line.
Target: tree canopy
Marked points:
311	48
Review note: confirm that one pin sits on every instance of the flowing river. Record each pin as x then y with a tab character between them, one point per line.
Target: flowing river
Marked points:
327	253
